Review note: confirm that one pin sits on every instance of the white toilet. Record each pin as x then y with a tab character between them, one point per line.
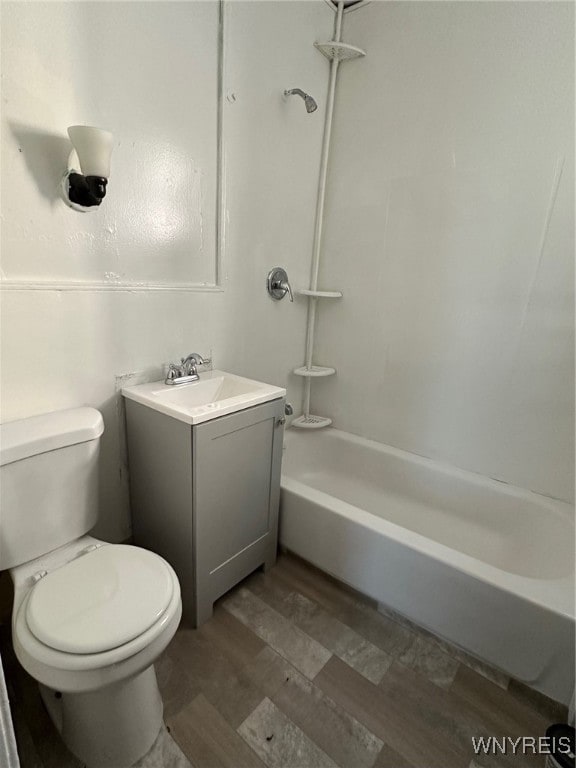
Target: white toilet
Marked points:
90	618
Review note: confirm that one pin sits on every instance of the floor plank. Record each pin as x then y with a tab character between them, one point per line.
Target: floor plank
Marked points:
356	613
496	707
389	758
452	717
208	740
176	687
427	658
206	668
279	742
552	710
307	655
454	651
164	753
391	717
232	637
342	737
344	642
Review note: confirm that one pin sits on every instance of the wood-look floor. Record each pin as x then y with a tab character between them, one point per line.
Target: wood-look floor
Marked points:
297	671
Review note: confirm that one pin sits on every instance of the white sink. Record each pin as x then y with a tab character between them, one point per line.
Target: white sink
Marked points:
217	393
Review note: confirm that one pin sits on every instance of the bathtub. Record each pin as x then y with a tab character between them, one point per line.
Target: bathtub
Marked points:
483	564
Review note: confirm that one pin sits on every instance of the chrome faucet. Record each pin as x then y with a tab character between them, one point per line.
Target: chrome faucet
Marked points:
189	364
186	371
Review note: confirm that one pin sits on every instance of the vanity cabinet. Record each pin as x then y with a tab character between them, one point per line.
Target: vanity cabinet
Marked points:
206	496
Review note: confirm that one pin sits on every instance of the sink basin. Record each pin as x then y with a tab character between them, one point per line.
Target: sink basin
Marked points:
217	393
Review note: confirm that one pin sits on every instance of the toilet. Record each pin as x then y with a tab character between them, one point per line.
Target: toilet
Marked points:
90	618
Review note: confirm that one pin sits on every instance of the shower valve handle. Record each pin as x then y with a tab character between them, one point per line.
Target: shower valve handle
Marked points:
285	286
278	284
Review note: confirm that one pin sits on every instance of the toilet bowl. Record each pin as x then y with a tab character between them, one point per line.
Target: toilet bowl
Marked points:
89	618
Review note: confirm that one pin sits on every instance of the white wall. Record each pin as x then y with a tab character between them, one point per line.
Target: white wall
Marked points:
450	229
62	348
450	129
149	74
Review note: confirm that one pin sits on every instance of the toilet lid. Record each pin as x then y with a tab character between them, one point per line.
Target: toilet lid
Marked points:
100	600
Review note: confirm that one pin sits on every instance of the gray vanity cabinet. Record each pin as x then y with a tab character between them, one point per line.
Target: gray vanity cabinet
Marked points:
206	496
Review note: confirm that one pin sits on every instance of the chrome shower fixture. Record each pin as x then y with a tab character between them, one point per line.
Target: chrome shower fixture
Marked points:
311	105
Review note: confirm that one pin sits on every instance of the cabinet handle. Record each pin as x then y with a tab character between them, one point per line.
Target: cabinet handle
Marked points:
281	421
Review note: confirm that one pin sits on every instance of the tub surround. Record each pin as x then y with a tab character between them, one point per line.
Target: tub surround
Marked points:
450	230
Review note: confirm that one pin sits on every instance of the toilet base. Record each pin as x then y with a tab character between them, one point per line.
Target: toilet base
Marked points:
112	727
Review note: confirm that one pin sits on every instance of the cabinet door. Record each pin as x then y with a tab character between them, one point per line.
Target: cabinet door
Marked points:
236	488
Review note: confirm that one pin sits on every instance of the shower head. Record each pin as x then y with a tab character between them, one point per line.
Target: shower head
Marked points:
311	105
309	102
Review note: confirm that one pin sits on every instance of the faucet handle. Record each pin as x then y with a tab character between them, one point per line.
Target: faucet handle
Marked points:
285	285
278	284
172	372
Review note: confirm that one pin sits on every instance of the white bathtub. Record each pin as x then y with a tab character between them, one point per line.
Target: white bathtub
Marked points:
485	565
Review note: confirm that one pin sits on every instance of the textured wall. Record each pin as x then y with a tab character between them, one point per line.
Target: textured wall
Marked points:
146	72
62	348
450	229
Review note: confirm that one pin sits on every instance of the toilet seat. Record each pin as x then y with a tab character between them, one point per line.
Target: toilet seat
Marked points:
64	671
99	601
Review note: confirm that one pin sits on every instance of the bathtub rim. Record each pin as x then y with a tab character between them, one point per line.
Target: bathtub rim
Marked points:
554	594
553	503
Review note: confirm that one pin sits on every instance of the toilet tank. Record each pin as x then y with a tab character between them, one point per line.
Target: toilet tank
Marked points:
48	482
